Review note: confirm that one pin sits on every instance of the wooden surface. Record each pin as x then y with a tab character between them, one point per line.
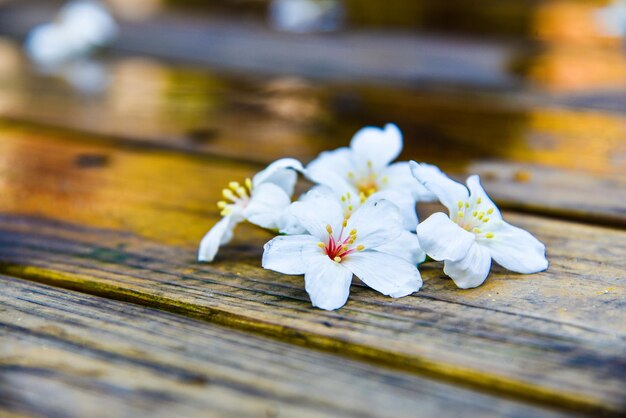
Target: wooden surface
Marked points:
127	228
104	196
59	346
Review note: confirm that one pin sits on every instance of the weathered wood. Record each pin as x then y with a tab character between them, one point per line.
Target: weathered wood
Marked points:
534	151
125	224
72	355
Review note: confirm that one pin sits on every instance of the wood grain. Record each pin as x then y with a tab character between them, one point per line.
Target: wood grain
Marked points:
73	355
542	163
125	224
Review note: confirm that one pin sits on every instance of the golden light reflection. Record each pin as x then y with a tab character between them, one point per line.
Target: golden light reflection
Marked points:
579	50
578	140
572	22
567	69
167	198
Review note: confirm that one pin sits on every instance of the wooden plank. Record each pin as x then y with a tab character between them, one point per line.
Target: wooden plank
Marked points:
69	354
536	149
125	224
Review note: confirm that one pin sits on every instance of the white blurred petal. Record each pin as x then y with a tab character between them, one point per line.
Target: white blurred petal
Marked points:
387	274
399	177
331	169
292	254
477	191
220	234
442	239
281	173
405	246
376	222
448	191
89	22
328	284
403	201
267	204
315	213
472	270
379	146
516	249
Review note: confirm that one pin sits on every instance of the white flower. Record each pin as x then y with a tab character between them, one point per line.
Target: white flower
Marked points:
335	247
473	233
261	201
364	171
405	245
80	27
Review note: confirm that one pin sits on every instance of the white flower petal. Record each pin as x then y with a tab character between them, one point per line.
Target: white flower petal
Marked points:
331	169
476	192
89	22
447	190
292	254
403	201
380	146
328	284
405	246
220	234
398	176
267	204
281	173
288	224
313	214
472	270
442	239
387	274
516	249
376	222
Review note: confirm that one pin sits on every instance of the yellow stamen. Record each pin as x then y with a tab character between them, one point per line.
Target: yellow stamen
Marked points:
329	229
360	247
228	194
248	183
479	200
353	232
241	191
475	213
349	195
477	230
321	245
460	204
345	223
362	197
225	211
350	174
337	259
343	198
385	179
460	214
350	208
370	164
490	211
467	204
221	204
233	185
489	235
485	220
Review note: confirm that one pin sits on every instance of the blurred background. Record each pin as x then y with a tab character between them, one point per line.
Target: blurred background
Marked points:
528	80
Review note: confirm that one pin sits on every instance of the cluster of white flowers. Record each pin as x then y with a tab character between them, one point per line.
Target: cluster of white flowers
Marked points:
360	219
